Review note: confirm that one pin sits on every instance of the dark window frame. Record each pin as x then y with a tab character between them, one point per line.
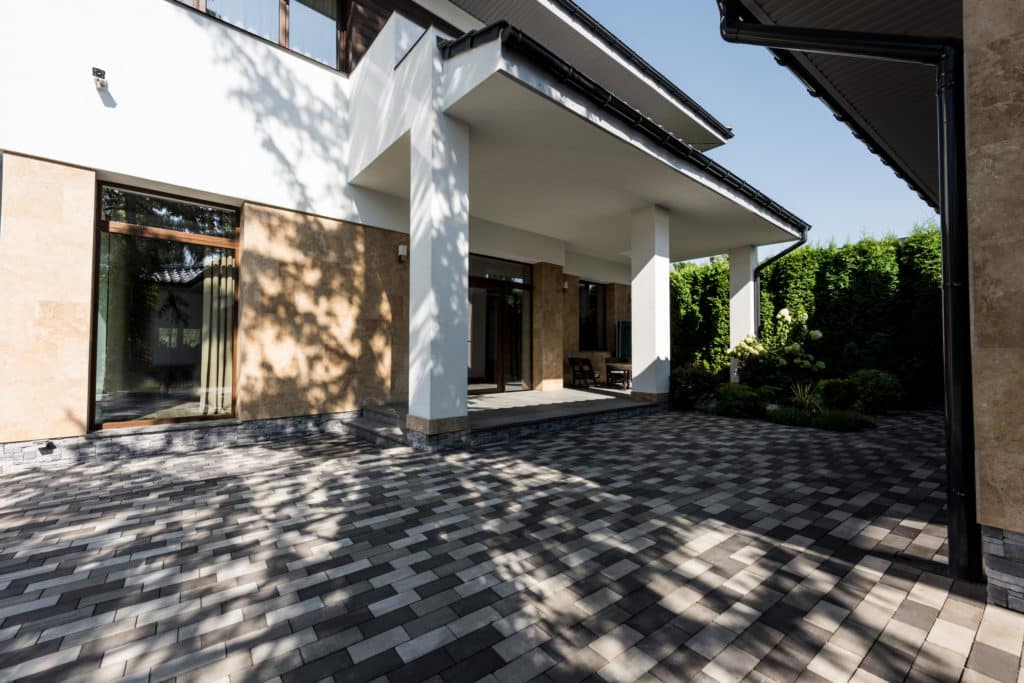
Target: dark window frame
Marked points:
599	340
345	60
152	232
284	10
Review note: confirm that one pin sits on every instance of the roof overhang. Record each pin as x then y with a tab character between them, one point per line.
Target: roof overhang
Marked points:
584	42
890	105
546	159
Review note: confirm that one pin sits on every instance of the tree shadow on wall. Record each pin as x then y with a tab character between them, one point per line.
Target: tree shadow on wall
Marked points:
323	320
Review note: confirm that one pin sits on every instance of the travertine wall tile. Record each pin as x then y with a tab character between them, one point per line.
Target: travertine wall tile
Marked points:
46	265
994	43
323	324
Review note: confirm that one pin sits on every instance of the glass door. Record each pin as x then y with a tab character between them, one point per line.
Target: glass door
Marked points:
484	324
500	332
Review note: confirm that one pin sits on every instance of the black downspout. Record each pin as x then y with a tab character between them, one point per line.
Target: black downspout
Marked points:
947	58
757	276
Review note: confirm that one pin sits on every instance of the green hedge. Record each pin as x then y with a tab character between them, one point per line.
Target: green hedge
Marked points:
878	303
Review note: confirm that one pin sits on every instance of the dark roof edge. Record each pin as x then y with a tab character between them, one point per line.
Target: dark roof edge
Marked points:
819	90
816	89
642	65
516	40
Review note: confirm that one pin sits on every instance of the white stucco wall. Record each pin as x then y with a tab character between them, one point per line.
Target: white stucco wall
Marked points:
192	104
502	241
597	270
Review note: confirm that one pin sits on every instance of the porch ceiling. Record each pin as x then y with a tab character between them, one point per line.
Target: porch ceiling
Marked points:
537	166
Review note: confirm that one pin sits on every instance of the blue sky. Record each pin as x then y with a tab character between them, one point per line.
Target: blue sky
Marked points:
787	143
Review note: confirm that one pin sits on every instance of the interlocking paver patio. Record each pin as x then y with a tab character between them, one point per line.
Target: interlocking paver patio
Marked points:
660	547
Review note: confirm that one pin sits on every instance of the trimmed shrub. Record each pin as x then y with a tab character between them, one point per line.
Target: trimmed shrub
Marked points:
841	421
877	391
839	394
691	384
771	393
877	304
788	415
738	400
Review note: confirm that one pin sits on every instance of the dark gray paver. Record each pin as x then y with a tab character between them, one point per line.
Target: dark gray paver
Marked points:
658	548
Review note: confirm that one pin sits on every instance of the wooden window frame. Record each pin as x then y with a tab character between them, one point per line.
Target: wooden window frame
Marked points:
416	13
154	232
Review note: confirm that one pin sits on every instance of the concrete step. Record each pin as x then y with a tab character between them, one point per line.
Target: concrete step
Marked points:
388	416
384	436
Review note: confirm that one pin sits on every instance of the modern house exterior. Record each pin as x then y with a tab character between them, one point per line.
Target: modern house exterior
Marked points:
276	208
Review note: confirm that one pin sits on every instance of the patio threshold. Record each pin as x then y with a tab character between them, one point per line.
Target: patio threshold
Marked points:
502	417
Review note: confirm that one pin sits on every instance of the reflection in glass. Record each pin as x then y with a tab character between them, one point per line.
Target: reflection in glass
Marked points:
592	316
483	339
517	346
313	29
127	206
262	17
165	330
500	269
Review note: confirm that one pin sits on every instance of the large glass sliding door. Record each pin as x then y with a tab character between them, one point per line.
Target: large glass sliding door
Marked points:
165	309
499	325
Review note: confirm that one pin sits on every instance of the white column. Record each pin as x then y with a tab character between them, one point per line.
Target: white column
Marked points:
650	303
742	299
438	268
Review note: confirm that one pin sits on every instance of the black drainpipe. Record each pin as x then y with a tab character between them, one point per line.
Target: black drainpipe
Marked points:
757	276
947	58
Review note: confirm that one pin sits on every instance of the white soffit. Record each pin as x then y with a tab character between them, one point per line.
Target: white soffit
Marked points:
539	167
553	27
894	102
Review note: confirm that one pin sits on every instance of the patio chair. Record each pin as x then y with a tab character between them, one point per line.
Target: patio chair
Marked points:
583	373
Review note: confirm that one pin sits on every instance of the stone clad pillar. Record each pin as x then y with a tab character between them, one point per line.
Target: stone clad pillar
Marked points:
651	304
547	327
994	42
742	299
438	268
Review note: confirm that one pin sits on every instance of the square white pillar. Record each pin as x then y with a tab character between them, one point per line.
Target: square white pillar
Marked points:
742	300
651	303
438	271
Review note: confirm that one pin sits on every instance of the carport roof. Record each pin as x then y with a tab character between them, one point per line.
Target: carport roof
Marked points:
890	105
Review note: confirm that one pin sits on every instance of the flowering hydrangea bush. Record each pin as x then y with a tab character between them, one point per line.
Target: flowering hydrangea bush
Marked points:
781	357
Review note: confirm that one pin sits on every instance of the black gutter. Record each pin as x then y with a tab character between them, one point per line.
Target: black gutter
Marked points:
614	42
519	42
757	277
947	58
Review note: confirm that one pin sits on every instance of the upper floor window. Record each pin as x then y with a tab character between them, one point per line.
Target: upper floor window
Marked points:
309	27
313	29
262	17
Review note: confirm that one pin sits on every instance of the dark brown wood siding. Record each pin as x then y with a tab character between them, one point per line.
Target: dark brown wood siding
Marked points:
364	19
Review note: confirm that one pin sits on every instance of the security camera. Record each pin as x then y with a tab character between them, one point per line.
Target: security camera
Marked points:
99	77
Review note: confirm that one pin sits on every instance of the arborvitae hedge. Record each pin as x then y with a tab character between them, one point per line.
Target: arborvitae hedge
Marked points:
878	303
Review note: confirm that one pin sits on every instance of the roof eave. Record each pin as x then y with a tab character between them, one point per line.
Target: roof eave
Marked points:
521	43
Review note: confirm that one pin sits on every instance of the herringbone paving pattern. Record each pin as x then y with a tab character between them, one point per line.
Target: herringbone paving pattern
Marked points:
663	547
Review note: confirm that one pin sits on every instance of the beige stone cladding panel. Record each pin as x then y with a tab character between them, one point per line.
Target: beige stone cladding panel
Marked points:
548	299
994	41
324	316
46	265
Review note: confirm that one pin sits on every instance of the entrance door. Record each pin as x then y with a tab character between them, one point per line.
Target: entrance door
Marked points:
485	372
499	325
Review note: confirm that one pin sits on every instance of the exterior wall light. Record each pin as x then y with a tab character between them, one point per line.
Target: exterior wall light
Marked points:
565	286
403	253
99	77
